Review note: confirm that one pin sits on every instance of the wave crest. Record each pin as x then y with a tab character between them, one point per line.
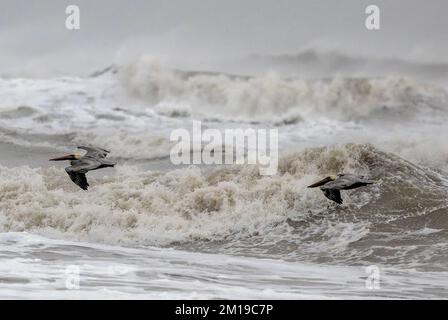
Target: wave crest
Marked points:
214	94
225	204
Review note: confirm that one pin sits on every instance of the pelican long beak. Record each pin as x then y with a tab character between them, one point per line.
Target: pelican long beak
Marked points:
63	158
322	182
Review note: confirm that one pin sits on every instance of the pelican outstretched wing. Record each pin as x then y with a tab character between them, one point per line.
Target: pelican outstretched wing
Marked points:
77	171
333	195
94	152
79	179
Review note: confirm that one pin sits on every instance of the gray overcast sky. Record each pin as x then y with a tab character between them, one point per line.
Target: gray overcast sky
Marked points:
34	41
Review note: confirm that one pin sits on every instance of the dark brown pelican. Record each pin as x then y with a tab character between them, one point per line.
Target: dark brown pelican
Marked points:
332	185
80	165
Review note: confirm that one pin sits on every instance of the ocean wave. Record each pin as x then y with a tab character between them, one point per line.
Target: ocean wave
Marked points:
235	209
263	97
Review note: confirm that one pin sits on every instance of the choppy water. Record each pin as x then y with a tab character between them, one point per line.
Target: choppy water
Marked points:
34	267
149	229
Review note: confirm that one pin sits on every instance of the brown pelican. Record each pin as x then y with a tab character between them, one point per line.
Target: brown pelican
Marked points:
332	185
80	165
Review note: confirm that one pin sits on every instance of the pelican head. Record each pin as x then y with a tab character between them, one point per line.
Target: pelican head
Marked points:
73	156
322	182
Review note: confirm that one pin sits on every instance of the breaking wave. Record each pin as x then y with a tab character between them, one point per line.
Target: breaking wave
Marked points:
264	98
237	210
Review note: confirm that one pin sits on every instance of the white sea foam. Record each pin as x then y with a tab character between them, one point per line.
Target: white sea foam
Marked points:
266	96
155	207
34	267
132	113
257	215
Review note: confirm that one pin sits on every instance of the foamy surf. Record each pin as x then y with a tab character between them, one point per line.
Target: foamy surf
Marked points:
261	98
153	273
133	110
151	212
237	211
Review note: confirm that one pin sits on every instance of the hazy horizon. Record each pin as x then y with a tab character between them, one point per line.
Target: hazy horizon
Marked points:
35	42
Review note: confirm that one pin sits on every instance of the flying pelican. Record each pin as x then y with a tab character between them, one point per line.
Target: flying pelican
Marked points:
80	165
332	185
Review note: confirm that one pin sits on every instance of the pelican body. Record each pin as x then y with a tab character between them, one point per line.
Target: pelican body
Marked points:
332	185
94	159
